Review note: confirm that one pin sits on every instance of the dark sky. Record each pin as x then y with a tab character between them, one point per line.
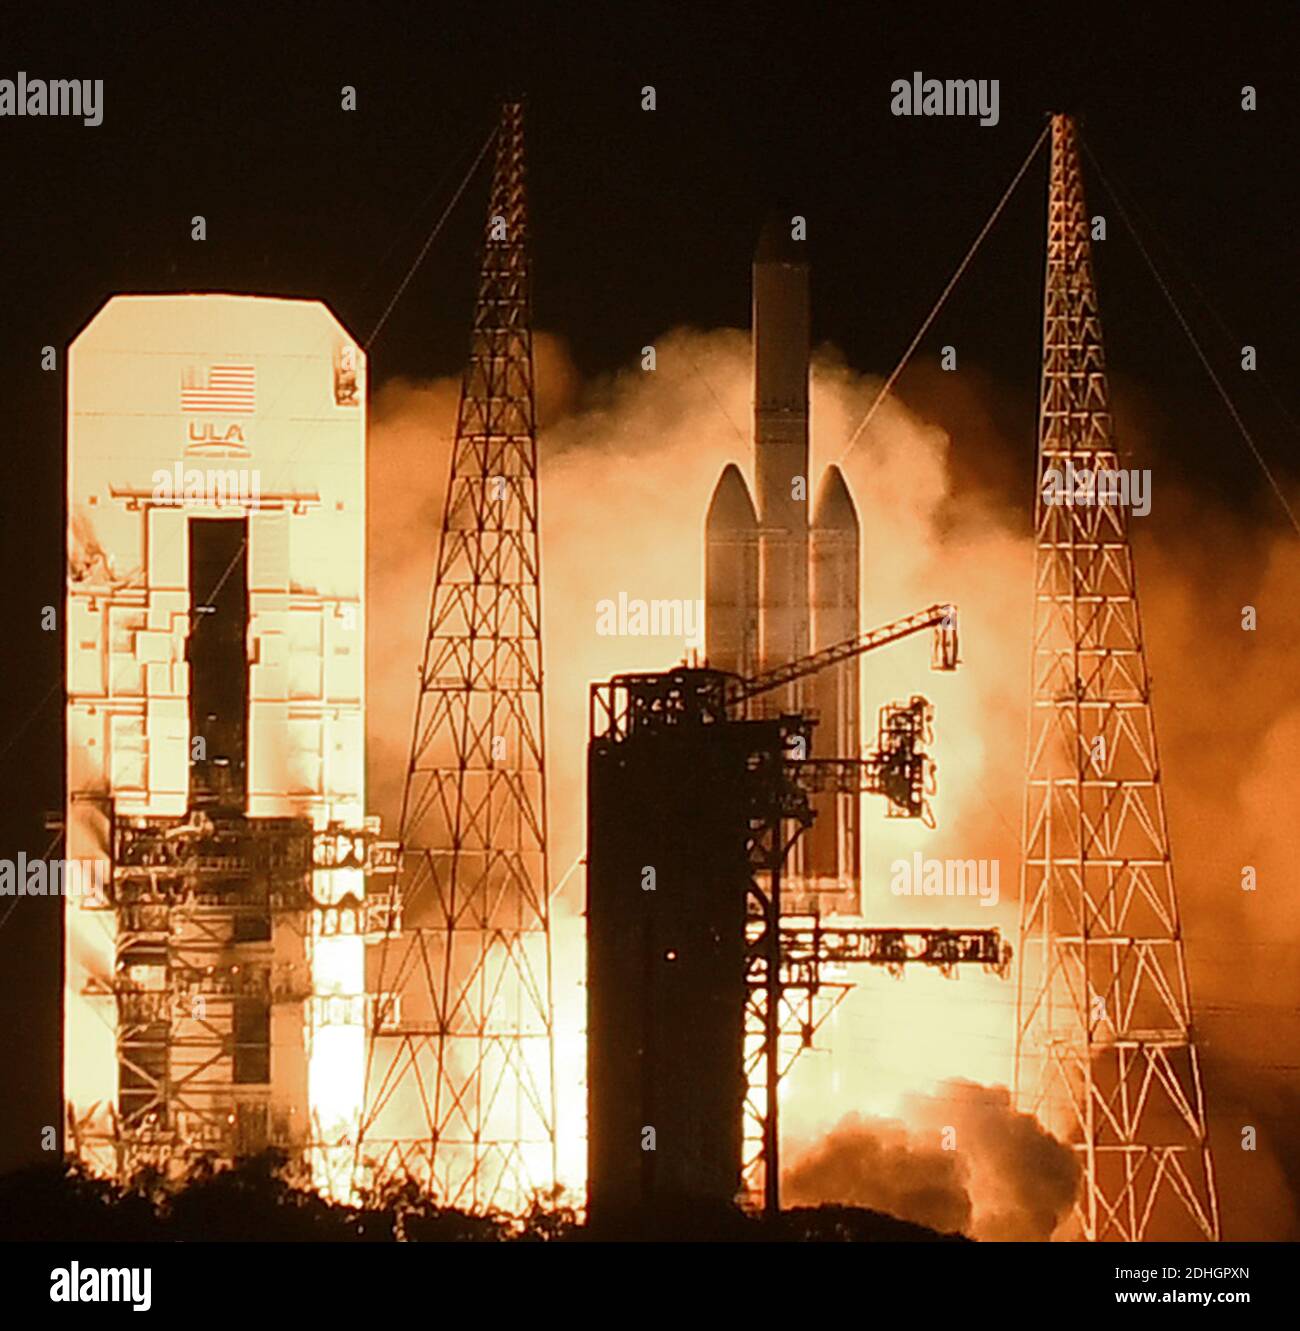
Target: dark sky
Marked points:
642	222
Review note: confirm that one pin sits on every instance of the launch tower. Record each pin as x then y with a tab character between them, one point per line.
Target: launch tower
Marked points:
1104	1049
460	1092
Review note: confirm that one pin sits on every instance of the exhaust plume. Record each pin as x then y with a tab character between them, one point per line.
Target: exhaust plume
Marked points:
942	480
961	1161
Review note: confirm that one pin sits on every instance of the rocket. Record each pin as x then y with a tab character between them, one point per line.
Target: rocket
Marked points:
778	584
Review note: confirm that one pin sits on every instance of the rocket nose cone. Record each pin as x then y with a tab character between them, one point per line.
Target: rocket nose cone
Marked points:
834	510
731	508
776	244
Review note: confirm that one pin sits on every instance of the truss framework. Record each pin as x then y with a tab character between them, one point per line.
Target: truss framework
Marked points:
788	999
775	1036
460	1087
1104	1048
195	901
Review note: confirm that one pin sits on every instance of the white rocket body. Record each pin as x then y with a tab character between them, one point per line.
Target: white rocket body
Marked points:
778	586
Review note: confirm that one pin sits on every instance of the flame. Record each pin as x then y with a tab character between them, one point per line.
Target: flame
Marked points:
336	1032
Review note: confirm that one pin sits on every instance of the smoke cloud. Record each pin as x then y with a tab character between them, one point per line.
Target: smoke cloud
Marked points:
965	1162
943	484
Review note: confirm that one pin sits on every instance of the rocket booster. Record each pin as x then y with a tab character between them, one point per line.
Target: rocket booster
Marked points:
833	840
731	576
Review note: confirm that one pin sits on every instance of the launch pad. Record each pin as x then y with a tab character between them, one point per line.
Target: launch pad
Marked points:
218	996
703	983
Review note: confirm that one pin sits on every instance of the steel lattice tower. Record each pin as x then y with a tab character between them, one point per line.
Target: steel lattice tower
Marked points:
470	1052
1104	1050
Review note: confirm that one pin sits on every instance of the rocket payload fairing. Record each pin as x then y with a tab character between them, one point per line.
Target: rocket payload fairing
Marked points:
778	586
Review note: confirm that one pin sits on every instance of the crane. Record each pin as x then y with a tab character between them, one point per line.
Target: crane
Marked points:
942	618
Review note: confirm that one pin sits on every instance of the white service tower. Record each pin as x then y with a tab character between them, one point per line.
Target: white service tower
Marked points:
214	999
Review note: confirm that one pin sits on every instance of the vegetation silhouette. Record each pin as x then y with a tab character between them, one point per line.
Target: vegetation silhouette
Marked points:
265	1199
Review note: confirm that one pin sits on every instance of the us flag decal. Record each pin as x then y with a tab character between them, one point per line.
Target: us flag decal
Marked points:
230	390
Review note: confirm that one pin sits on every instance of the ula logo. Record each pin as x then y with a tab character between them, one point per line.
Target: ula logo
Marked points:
133	1285
205	437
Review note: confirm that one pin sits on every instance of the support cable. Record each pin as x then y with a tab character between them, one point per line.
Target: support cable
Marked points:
1191	337
432	236
1205	300
938	305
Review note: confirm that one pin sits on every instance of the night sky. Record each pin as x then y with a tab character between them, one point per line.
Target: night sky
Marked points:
642	221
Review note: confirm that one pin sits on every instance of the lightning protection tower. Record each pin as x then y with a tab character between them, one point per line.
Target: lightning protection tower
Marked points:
464	1096
1104	1048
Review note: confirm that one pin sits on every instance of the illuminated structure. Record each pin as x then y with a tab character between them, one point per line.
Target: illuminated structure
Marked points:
460	1092
776	583
214	998
1104	1051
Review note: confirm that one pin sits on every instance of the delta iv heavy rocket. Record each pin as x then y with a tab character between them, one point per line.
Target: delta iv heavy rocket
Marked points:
778	586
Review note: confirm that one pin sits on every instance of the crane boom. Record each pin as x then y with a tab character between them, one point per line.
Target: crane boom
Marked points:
942	618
